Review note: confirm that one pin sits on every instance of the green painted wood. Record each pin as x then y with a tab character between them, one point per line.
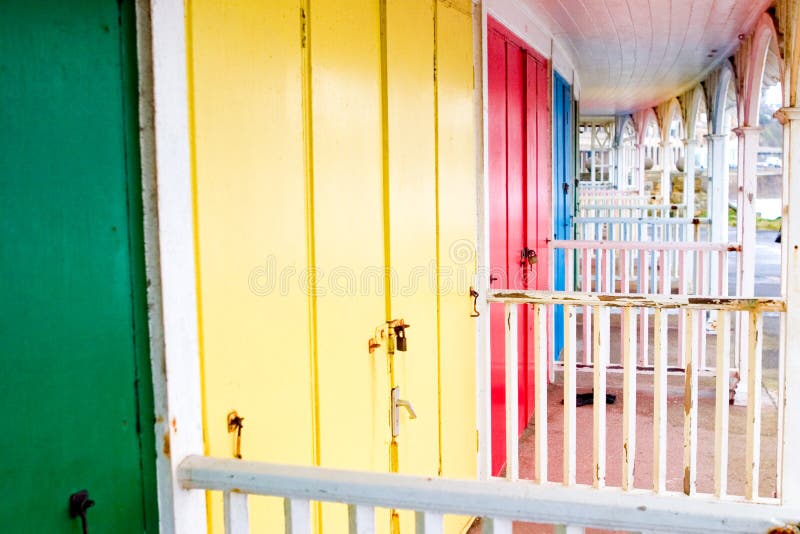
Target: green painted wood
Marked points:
76	388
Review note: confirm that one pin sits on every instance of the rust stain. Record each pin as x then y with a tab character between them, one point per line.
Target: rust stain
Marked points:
165	444
687	397
159	419
174	423
686	488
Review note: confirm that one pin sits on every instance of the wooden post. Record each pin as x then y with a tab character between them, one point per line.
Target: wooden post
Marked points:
790	267
746	221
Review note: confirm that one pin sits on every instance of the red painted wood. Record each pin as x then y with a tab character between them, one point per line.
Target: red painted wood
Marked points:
519	205
498	243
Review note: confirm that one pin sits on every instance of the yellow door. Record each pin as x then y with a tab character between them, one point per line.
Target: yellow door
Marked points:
353	385
431	237
247	121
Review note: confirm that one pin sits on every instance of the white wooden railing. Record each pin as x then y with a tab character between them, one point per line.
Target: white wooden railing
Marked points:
588	195
497	502
664	349
631	210
640	229
693	268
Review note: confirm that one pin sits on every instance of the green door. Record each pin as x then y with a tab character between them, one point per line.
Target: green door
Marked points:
75	386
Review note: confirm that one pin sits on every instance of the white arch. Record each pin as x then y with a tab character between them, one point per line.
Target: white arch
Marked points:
669	111
695	96
641	120
765	38
719	97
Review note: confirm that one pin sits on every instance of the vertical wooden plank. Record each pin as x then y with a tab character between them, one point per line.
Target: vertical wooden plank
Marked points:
753	444
512	391
237	519
703	268
569	273
690	410
629	397
570	363
601	352
587	311
660	401
361	519
540	393
722	404
625	274
491	525
297	516
428	523
666	282
644	332
681	257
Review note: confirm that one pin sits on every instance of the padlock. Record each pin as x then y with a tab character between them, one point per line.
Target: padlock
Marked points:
400	334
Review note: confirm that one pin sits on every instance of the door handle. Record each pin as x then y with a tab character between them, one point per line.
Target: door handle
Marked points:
398	403
79	504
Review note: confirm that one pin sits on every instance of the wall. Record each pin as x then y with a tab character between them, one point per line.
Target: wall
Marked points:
330	164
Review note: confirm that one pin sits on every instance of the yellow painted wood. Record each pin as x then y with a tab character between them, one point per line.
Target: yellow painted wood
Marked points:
304	160
412	188
457	231
354	387
249	174
412	230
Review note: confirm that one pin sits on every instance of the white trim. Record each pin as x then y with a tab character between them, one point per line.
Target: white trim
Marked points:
483	327
172	299
524	22
637	510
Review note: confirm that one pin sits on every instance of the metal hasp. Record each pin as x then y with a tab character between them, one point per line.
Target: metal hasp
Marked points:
394	333
79	504
398	403
530	257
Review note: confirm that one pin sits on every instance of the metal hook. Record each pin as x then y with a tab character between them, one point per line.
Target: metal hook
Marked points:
474	294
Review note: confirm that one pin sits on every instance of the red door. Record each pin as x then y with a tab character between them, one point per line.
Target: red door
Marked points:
519	211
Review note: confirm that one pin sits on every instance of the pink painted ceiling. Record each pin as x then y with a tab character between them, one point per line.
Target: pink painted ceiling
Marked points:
632	54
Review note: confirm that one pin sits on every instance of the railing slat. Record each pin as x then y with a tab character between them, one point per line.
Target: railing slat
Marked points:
495	526
660	401
587	311
428	523
297	516
540	392
361	519
690	410
570	415
644	332
601	354
753	445
237	519
512	392
722	404
629	397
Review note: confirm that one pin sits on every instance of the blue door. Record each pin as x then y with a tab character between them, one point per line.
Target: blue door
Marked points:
562	191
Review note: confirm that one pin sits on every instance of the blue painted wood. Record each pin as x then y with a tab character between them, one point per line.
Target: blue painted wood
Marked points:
562	191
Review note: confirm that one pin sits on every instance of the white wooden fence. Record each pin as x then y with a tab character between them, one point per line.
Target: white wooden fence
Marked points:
497	502
640	229
693	268
631	210
630	306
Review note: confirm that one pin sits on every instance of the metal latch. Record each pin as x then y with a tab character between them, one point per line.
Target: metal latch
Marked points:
394	333
398	403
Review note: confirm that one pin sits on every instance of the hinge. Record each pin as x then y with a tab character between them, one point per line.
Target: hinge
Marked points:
303	28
